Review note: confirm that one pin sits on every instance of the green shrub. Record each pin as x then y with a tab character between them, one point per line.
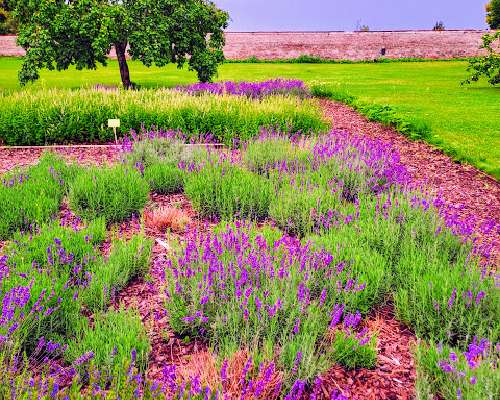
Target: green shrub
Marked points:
80	116
164	178
227	191
157	150
434	279
114	193
300	211
128	259
27	248
347	351
112	339
275	300
32	196
444	372
52	265
263	155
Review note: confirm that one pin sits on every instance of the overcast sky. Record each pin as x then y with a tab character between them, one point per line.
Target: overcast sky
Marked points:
346	15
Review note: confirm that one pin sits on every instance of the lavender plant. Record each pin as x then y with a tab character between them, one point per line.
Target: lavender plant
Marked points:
243	293
40	295
113	193
127	260
32	196
112	338
224	190
164	178
470	373
253	90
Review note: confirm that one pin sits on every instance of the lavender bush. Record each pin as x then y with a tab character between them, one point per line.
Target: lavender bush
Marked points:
32	196
253	90
241	292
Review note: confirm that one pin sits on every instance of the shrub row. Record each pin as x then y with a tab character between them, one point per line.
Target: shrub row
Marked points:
80	116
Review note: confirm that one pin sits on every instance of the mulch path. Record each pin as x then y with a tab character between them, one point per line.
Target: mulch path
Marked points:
11	158
148	295
470	193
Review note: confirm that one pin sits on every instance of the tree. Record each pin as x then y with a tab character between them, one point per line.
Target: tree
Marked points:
60	33
493	14
489	65
439	26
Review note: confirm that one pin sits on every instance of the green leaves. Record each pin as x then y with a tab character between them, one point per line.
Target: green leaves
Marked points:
82	32
489	65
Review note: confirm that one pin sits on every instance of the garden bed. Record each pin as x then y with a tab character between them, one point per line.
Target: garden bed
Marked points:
291	268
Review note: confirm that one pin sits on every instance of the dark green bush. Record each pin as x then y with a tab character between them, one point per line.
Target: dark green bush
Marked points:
114	193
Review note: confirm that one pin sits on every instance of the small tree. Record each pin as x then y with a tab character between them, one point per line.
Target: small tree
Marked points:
493	14
60	33
439	26
489	65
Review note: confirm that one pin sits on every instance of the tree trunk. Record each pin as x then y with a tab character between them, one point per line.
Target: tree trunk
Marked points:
120	49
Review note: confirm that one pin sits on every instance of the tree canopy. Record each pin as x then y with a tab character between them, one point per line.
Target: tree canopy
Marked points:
60	33
493	14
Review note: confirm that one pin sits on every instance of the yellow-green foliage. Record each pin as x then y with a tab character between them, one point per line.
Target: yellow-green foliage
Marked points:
79	116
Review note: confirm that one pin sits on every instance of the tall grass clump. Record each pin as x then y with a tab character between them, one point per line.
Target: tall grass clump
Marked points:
112	338
34	195
128	259
113	193
224	190
80	116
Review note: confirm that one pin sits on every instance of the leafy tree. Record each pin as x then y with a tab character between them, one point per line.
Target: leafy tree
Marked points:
489	65
493	14
60	33
439	26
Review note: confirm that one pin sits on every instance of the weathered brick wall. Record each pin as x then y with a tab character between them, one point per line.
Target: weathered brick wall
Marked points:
353	45
334	45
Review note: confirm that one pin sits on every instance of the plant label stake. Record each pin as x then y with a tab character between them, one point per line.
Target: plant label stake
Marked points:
114	123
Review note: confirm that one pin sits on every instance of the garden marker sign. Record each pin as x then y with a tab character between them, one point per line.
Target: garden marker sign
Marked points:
114	123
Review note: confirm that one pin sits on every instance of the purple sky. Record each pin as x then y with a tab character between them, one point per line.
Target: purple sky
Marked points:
340	15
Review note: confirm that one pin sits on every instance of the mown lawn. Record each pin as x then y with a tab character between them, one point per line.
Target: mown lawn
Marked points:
466	119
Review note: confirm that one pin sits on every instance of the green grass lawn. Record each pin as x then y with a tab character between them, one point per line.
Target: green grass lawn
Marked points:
466	119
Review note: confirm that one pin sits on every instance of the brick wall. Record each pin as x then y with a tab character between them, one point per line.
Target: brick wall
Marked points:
334	45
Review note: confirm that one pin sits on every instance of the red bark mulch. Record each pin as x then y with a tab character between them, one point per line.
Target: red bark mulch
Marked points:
393	377
11	158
